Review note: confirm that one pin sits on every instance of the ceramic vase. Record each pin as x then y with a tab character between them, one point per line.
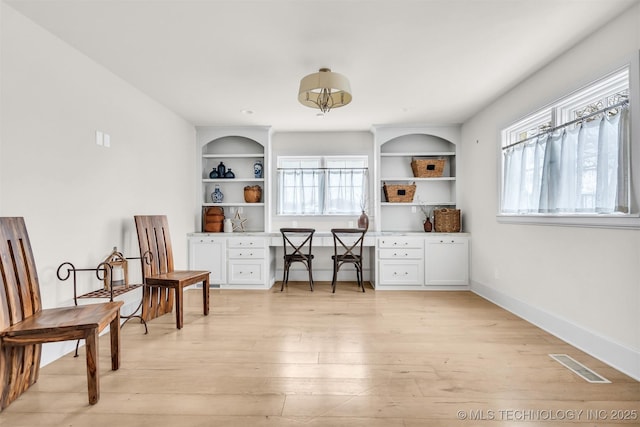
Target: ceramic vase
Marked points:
217	196
257	169
363	221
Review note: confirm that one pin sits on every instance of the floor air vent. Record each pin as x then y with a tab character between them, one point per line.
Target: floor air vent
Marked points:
577	367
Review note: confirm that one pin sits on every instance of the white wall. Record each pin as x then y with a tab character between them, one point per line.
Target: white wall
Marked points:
320	144
78	198
582	284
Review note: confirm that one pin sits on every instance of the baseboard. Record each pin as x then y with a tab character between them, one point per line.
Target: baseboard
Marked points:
622	358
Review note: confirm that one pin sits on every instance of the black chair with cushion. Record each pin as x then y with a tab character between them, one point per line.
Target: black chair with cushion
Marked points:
297	248
347	249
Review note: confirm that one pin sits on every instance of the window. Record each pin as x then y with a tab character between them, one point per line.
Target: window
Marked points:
334	185
571	158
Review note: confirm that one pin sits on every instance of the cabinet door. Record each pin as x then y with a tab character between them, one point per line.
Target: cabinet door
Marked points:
208	254
447	261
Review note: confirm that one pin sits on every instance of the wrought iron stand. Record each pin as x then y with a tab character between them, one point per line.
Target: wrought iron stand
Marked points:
67	270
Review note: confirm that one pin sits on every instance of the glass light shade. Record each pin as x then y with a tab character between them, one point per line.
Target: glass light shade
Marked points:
324	90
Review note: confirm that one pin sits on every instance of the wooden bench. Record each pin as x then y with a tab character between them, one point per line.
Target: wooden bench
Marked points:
25	325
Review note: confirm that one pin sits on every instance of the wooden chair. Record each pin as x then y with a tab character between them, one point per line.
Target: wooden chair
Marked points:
161	282
347	249
297	248
25	326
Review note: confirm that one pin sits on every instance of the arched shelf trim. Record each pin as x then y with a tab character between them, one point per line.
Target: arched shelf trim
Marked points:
384	134
207	134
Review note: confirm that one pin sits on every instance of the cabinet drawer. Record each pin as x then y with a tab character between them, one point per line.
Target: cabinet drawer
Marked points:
399	242
246	253
400	253
401	273
447	239
246	272
246	242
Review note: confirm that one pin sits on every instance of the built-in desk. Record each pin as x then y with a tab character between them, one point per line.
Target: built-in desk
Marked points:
392	261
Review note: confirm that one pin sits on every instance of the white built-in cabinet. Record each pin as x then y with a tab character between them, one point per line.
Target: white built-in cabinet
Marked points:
422	261
209	253
446	260
235	261
406	258
400	261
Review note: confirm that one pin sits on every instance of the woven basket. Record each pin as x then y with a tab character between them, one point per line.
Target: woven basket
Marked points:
252	194
399	193
447	220
427	168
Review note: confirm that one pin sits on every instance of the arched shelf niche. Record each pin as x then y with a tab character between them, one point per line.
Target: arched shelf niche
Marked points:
434	149
239	150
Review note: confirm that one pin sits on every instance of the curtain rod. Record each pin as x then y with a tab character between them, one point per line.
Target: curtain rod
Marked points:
580	119
320	169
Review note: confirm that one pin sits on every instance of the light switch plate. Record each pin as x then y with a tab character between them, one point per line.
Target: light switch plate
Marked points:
106	140
99	137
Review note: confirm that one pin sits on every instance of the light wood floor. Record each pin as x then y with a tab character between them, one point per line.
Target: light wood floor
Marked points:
265	358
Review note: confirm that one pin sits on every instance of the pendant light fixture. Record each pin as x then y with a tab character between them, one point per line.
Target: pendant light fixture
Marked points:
324	90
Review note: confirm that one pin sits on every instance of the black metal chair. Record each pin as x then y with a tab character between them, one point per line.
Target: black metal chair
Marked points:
297	248
347	249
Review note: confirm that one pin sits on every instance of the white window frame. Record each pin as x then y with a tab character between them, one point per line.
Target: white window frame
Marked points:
324	162
559	111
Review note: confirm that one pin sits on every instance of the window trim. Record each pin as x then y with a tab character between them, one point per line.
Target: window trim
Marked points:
614	221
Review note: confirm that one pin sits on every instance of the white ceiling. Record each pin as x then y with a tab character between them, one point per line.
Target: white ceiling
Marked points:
431	61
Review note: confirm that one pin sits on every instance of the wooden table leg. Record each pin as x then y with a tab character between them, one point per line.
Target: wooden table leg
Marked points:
114	332
205	296
93	381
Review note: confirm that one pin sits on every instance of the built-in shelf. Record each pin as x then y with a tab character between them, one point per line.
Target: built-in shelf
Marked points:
394	163
230	180
405	179
420	154
232	156
426	202
233	204
240	150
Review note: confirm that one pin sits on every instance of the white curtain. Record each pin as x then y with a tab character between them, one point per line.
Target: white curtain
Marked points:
300	191
345	191
321	191
580	170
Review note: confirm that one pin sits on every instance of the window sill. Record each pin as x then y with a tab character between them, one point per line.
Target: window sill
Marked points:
587	221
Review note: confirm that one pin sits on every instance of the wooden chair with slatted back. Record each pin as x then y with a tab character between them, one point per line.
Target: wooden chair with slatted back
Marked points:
347	249
163	284
25	325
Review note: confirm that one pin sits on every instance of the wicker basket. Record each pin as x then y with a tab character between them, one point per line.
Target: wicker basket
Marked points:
427	168
397	193
252	194
447	220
